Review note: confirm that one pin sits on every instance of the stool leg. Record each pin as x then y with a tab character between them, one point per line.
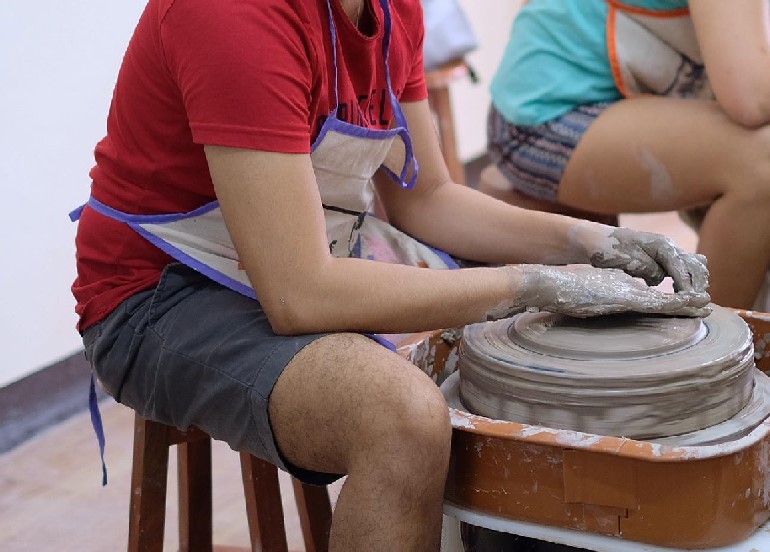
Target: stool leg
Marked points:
148	487
263	504
195	511
315	514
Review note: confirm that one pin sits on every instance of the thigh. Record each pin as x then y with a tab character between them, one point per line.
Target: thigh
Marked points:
657	154
344	394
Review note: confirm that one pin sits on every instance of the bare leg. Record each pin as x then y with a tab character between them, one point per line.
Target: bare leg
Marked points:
661	154
347	405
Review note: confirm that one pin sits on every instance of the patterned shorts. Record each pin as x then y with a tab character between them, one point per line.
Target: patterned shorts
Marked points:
533	158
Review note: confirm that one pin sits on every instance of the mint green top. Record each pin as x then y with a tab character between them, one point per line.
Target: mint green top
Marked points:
557	58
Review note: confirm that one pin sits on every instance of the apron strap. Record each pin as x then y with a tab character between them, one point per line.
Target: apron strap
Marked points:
96	422
411	167
74	215
408	175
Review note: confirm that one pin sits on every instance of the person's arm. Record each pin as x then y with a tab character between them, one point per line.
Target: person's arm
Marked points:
273	212
272	208
473	226
734	41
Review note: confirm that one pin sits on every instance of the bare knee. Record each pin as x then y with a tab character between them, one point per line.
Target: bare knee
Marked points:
410	431
422	421
747	179
345	405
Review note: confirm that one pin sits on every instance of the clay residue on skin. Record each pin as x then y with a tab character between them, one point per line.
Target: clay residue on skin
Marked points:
642	254
593	183
583	291
505	309
617	252
662	189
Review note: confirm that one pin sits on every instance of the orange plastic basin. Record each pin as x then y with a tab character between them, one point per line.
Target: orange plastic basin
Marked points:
686	497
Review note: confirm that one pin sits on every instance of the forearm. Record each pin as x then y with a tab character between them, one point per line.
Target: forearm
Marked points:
368	296
351	294
473	226
476	227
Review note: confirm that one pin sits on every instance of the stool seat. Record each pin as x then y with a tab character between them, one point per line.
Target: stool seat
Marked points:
493	182
152	441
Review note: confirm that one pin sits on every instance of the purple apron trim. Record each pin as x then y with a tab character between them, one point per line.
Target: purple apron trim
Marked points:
96	422
333	33
402	129
349	129
130	218
398	113
444	256
74	215
194	263
382	340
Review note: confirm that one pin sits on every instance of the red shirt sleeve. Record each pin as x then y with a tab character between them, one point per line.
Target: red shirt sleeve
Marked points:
244	70
415	88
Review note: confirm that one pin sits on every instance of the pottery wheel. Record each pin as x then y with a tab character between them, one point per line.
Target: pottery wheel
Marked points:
635	376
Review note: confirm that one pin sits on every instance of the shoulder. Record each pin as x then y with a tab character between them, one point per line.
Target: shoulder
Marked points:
247	28
237	14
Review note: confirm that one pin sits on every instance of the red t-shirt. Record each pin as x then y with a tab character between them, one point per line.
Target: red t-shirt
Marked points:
243	73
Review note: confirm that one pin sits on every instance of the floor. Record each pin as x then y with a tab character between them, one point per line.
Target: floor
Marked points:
50	492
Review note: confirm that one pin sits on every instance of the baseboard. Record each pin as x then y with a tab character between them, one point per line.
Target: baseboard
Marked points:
43	399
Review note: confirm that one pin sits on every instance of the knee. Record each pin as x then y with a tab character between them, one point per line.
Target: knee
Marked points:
749	179
414	432
422	421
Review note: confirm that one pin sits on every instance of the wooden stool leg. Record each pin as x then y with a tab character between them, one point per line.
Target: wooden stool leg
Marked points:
148	487
315	515
263	504
195	511
441	104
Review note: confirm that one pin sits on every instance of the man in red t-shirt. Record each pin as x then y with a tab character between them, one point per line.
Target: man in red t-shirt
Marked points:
242	142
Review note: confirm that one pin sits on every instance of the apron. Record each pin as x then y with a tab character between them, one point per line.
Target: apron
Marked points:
655	52
345	157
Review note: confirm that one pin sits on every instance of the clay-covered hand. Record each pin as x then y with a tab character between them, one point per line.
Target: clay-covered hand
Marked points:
643	254
584	291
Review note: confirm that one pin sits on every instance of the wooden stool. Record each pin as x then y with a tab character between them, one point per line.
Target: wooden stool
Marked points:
437	82
260	482
493	182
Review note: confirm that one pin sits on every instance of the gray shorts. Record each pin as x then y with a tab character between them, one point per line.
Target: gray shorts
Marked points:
191	352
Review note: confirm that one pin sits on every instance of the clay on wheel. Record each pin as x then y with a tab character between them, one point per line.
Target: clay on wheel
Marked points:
635	376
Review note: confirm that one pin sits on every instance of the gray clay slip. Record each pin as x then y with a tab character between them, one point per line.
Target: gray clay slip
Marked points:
643	377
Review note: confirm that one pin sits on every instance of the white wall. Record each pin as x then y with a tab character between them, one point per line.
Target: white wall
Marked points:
58	63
